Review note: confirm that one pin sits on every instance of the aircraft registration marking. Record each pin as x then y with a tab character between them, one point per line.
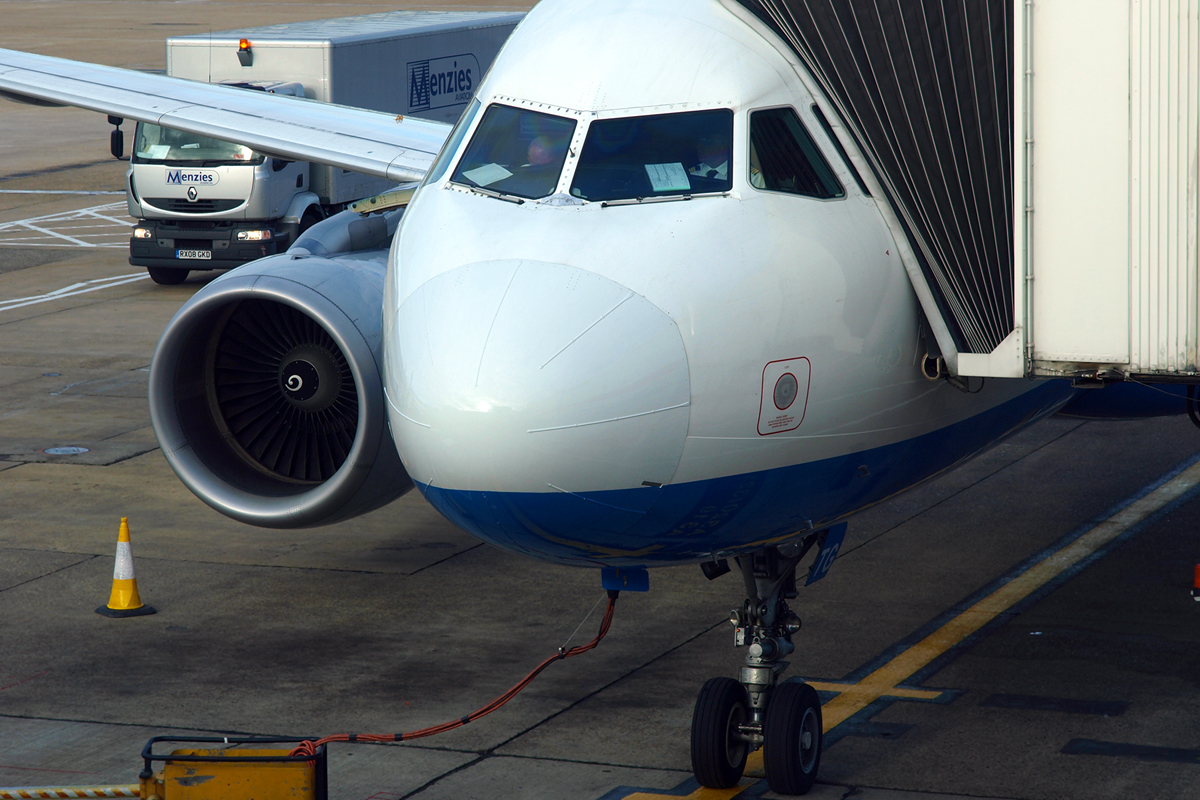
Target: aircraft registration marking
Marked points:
886	681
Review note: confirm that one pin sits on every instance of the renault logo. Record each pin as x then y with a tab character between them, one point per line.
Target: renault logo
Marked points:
192	194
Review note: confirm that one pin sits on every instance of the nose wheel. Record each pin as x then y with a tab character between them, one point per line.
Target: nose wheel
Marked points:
719	748
792	733
732	718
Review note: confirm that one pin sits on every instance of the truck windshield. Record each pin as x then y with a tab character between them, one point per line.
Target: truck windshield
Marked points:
656	156
516	152
154	144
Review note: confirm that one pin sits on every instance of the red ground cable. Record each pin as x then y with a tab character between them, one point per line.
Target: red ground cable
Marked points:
309	746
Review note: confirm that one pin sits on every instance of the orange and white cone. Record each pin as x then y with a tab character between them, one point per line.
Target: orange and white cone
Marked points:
125	600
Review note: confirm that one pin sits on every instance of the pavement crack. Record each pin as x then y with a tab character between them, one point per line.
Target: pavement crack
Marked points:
444	560
608	685
154	727
444	775
83	560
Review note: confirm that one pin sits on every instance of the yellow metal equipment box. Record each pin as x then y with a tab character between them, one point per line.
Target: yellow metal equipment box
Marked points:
233	769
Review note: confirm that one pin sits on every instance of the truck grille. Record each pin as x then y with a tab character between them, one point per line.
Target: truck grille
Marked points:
181	206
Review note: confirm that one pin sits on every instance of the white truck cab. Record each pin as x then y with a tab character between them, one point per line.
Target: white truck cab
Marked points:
203	203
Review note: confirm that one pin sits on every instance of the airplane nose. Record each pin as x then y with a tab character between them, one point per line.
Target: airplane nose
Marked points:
523	394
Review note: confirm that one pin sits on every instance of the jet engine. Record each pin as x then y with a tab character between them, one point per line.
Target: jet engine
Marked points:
266	394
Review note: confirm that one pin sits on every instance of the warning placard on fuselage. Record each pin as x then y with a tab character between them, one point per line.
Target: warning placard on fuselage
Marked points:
784	397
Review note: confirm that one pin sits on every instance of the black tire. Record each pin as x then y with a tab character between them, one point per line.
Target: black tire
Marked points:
792	734
310	218
718	758
167	276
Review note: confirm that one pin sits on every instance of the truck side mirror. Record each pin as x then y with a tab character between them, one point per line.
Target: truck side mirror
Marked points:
278	163
116	143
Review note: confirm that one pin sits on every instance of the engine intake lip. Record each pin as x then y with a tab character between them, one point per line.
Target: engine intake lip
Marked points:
201	448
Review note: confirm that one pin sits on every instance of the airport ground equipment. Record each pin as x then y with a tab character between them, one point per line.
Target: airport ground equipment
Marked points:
220	768
59	792
1043	163
300	772
205	203
213	772
124	601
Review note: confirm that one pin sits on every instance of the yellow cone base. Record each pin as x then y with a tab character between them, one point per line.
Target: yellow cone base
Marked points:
125	601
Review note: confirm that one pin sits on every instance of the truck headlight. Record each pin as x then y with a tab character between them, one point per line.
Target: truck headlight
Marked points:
253	236
142	233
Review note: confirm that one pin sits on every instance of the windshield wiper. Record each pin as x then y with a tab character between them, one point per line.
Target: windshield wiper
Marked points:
662	198
629	201
475	187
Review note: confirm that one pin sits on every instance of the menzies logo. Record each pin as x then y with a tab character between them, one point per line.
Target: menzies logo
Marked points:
191	177
441	82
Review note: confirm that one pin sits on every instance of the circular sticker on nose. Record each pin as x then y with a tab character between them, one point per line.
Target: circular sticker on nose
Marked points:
785	391
784	398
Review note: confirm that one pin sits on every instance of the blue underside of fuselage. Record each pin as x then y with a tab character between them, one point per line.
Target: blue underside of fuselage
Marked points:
688	522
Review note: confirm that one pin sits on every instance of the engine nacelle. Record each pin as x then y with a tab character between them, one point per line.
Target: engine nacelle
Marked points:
266	394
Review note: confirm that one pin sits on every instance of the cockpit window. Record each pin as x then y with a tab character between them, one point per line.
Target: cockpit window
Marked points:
516	152
783	157
656	156
450	147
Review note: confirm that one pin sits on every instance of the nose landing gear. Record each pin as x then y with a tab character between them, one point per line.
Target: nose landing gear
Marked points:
733	718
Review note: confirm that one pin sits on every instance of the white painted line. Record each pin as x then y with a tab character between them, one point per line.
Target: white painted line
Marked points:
87	223
72	290
51	191
79	242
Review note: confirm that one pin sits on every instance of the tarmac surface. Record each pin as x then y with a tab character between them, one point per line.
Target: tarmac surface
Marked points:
1015	629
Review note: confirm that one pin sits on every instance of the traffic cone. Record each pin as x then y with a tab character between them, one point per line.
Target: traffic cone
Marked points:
1196	584
124	601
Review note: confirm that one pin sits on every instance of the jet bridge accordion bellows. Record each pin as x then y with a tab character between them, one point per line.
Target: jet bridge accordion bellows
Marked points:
925	87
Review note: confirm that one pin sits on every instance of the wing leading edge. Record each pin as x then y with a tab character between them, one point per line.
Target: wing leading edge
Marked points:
370	142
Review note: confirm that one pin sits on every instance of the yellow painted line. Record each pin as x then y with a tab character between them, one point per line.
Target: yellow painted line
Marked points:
858	688
884	682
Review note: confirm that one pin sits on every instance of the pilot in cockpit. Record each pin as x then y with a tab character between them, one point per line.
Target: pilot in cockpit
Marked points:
544	150
713	152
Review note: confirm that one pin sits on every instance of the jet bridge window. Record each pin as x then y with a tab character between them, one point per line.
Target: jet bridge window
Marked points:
517	152
656	156
784	158
154	144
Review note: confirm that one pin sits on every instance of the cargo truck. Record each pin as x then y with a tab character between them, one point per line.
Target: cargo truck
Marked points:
202	203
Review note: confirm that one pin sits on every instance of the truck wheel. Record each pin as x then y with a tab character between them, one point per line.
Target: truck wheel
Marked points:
309	219
166	276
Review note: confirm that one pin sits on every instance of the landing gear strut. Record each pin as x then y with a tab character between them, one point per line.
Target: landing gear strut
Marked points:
733	718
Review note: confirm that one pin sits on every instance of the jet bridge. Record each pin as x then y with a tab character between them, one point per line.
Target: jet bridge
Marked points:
1039	160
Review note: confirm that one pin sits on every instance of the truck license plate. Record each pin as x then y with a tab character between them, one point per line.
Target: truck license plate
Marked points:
203	255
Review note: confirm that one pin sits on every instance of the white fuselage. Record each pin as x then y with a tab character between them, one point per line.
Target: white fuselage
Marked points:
608	383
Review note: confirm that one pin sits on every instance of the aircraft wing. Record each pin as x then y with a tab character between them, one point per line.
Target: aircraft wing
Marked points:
370	142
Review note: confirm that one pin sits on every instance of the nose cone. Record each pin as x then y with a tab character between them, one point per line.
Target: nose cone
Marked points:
536	387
